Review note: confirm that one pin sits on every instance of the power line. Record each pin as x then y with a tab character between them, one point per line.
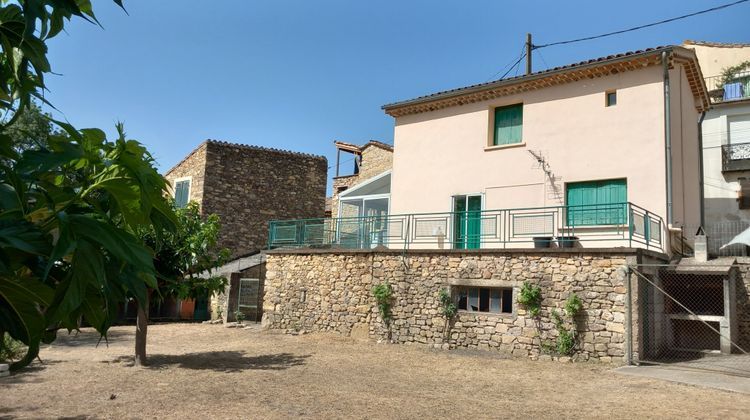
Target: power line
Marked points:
508	66
648	25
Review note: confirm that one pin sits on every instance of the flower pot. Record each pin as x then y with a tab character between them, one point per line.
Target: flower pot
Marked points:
542	241
566	241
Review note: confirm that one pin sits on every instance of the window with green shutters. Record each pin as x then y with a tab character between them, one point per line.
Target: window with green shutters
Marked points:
597	203
181	193
508	125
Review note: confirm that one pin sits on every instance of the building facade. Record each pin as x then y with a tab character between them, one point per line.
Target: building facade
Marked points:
584	139
247	186
371	161
726	141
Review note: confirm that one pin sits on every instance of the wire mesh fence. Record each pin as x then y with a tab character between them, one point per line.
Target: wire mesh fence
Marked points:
691	316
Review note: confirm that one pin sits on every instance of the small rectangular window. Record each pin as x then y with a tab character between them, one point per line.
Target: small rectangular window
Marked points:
485	299
508	125
611	98
181	193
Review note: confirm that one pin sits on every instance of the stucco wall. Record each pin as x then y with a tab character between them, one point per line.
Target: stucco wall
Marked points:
721	189
444	153
713	59
319	291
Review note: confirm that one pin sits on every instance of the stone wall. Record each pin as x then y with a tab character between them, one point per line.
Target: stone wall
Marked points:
248	186
193	167
325	291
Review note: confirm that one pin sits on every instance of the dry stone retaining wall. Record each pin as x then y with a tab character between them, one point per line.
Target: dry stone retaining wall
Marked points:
327	291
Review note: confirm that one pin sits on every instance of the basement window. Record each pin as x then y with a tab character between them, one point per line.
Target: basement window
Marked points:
610	98
485	299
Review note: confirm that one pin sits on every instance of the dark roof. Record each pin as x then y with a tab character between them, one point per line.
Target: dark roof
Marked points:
242	146
351	147
501	83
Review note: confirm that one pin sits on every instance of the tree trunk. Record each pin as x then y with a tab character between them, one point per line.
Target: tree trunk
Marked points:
140	333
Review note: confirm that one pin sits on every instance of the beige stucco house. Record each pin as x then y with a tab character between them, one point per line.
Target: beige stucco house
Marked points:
574	143
726	142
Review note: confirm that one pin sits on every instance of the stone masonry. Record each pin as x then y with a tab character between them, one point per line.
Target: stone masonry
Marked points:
315	290
247	186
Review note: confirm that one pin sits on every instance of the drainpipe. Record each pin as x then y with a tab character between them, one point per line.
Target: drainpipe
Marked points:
667	138
701	186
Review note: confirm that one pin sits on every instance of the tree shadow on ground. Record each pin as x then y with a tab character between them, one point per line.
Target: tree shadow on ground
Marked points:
90	338
221	361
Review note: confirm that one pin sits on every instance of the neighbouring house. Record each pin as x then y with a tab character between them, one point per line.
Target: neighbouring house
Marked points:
247	186
577	180
366	191
725	142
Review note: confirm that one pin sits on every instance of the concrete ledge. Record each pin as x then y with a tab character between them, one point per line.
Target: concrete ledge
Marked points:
490	251
690	376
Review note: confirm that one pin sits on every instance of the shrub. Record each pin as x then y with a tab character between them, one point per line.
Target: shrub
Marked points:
383	294
531	298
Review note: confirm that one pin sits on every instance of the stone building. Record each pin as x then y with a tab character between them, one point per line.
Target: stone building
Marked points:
247	186
372	162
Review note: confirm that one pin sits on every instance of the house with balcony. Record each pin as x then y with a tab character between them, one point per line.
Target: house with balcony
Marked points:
725	135
601	153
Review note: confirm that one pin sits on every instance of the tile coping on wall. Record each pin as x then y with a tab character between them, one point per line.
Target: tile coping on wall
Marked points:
514	251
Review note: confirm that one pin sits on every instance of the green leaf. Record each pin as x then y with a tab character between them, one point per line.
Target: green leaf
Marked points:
21	313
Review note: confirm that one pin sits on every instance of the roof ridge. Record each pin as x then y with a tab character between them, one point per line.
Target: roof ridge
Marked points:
262	148
717	44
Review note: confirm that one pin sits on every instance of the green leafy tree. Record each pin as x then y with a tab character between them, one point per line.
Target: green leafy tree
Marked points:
31	130
69	209
183	256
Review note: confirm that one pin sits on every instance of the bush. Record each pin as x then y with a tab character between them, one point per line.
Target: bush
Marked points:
11	350
531	298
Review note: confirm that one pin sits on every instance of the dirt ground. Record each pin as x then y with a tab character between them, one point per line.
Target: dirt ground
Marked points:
211	371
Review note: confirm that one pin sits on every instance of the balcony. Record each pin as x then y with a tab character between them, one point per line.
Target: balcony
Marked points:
601	225
735	157
721	91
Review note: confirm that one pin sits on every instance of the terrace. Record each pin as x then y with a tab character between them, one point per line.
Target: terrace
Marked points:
721	90
611	225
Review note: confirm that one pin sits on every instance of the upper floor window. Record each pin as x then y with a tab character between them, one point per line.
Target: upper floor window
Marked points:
611	98
508	124
181	193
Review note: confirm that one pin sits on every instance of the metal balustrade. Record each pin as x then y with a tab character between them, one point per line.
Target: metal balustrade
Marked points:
604	225
721	90
735	157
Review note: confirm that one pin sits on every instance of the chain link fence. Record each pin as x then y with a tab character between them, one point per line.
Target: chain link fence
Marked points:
690	316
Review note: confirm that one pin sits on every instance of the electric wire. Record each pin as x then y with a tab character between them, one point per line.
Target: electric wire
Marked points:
635	28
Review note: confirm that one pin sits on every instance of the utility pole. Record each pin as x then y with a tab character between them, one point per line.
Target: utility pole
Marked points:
529	47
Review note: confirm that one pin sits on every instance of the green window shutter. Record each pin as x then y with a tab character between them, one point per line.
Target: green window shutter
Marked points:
508	124
181	191
597	203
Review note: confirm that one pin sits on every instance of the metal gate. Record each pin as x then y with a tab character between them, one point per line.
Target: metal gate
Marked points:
687	316
248	298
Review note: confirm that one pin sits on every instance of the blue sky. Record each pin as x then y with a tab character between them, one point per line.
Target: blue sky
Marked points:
298	74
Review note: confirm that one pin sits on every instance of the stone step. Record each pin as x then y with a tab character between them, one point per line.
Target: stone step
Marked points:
4	367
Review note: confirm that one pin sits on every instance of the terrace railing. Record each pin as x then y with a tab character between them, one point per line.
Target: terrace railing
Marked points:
720	90
620	224
735	157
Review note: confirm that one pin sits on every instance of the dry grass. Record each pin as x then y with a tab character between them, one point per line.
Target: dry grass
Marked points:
212	371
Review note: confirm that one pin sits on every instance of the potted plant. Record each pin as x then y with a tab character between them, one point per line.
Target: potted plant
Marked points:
542	241
567	241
